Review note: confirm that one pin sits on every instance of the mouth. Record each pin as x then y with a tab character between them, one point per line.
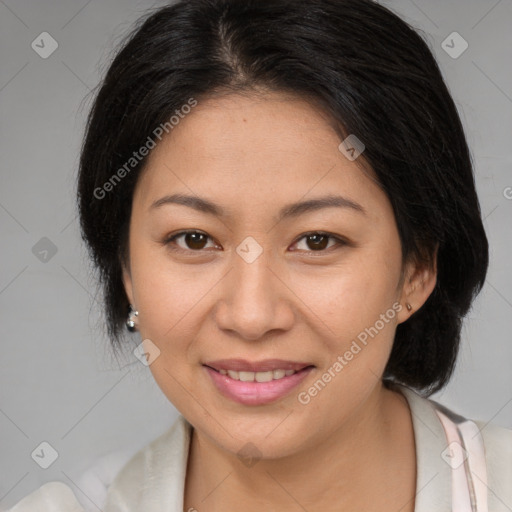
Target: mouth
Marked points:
256	383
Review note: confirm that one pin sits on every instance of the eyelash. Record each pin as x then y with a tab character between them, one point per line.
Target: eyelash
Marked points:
171	241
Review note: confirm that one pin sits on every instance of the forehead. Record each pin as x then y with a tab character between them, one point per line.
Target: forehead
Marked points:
255	148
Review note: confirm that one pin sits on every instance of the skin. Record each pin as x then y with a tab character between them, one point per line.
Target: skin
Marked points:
352	446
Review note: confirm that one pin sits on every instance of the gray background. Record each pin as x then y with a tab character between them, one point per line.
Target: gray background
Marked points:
58	381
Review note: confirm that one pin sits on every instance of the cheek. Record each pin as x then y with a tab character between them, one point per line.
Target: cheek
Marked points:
167	300
352	296
166	295
358	303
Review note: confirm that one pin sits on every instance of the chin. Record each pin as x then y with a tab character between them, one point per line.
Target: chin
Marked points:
265	438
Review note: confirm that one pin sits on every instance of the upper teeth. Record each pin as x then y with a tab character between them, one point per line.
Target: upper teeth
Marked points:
257	376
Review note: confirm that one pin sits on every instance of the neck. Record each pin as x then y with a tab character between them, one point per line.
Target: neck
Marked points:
354	468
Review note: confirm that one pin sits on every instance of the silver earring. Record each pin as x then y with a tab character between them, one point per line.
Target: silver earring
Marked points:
409	307
130	323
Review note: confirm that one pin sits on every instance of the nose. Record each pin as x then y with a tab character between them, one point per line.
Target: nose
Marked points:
254	300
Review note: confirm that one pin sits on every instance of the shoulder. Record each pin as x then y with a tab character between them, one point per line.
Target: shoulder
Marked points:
486	451
155	474
50	497
494	443
498	455
498	445
93	485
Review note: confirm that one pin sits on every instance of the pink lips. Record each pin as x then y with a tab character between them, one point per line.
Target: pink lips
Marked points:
256	393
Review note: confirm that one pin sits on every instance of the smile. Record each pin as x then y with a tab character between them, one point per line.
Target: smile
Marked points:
257	387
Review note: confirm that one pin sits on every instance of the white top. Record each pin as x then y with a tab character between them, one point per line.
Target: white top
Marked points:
461	466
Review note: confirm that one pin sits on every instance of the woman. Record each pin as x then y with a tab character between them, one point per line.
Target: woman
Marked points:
280	201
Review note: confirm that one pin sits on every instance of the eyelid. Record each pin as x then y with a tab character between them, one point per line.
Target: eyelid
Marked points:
339	241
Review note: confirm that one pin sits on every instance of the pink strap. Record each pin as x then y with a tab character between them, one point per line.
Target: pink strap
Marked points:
476	461
466	456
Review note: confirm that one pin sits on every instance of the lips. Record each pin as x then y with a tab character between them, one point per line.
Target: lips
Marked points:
257	388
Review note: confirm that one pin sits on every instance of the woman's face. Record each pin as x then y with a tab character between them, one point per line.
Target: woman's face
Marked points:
252	285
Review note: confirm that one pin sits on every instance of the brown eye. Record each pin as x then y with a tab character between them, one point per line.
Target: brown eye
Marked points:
318	242
195	240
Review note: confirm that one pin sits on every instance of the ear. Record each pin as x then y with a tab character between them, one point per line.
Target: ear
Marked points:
419	282
127	281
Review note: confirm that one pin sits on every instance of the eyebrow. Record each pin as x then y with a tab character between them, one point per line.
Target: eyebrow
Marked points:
289	211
